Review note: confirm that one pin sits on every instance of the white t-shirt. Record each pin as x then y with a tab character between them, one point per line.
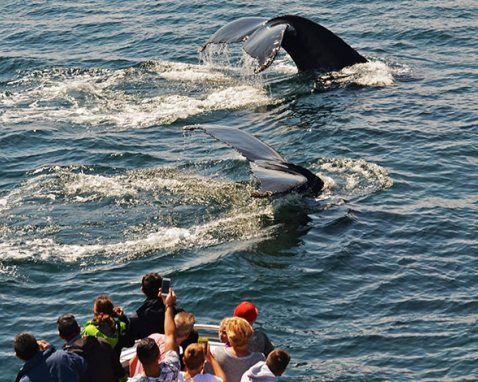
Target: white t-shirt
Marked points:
199	378
169	370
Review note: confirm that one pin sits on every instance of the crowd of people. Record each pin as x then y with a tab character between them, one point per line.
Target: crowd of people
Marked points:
168	348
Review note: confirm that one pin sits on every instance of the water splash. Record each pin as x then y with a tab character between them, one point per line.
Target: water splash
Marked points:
354	178
44	235
374	73
98	97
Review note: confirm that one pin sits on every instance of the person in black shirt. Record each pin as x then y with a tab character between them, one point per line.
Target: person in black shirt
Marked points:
149	317
102	363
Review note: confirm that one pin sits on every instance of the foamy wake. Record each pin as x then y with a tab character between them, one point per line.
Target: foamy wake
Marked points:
162	238
238	218
372	73
182	72
342	175
96	97
77	185
354	178
167	109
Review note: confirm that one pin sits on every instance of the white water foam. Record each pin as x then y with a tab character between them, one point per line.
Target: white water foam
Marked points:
284	65
244	225
372	73
224	57
79	186
238	217
3	203
94	97
181	72
355	177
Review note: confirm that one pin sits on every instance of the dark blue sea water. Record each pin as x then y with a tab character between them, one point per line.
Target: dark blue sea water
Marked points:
375	280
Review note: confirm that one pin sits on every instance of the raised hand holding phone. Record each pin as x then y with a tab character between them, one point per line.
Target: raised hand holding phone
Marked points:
165	285
168	299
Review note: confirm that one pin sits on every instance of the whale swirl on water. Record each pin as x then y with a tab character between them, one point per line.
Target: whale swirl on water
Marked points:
310	45
275	175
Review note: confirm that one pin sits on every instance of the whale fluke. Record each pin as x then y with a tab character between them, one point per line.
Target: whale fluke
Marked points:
310	45
274	174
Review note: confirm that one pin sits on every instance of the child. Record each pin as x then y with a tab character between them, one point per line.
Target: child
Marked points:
195	356
270	370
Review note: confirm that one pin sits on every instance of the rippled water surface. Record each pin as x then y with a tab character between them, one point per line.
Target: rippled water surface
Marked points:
99	183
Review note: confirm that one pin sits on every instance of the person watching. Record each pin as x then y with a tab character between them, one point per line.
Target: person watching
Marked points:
195	357
44	363
148	351
259	341
102	364
222	334
236	358
270	370
109	323
184	323
149	317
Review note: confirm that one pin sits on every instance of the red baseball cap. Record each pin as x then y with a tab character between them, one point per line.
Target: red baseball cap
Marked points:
246	310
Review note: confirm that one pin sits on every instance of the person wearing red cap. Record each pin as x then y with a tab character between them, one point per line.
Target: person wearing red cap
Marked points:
259	342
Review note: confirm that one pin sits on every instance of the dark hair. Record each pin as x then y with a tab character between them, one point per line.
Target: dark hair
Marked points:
67	326
25	345
103	309
151	284
147	351
277	361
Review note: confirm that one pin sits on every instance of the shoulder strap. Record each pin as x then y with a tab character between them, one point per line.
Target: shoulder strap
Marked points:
20	374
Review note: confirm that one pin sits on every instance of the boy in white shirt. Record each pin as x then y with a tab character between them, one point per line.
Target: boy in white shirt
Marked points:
270	370
194	358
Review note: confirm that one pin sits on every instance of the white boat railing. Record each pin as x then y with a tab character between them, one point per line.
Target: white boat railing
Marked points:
203	329
200	327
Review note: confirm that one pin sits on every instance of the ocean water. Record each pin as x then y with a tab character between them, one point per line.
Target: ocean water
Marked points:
375	280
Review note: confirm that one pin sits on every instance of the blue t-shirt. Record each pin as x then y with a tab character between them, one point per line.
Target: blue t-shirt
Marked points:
51	365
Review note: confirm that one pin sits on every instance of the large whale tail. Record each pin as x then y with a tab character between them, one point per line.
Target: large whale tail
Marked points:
310	45
275	175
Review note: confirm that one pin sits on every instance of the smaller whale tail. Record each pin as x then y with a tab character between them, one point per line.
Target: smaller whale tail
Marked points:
310	45
314	184
275	175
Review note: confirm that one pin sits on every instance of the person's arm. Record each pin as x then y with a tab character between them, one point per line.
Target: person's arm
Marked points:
268	346
216	367
133	362
169	325
71	367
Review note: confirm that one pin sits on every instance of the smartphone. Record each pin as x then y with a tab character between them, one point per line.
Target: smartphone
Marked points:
203	340
165	285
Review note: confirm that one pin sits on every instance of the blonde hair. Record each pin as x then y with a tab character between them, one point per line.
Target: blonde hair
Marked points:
222	332
184	323
238	331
